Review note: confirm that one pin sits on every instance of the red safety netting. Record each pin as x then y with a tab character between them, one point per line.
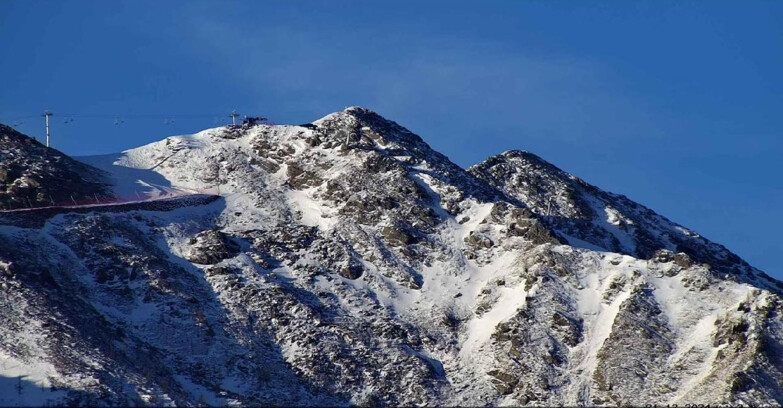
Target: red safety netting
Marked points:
99	200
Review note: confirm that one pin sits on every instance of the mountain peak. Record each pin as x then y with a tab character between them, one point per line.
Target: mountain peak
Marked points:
517	153
362	124
592	218
358	109
519	158
346	262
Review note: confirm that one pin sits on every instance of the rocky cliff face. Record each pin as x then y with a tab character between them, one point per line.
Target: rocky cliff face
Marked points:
346	262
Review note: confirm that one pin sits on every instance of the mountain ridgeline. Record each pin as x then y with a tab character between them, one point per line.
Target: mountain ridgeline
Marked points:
32	175
346	262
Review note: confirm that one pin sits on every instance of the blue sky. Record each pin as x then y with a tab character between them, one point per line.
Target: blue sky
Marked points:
677	105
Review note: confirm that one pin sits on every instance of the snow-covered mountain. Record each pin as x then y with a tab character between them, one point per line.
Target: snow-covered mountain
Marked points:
346	262
591	218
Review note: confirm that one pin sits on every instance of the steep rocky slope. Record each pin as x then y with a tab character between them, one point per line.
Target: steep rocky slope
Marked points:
346	262
596	219
33	175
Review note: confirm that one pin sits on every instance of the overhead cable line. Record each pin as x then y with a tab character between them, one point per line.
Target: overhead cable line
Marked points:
119	119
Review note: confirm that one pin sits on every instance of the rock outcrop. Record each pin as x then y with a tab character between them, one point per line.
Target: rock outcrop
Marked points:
349	263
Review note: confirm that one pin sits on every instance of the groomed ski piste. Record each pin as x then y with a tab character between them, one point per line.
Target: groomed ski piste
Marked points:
134	189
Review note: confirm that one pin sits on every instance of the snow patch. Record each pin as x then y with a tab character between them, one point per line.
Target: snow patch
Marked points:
313	213
27	383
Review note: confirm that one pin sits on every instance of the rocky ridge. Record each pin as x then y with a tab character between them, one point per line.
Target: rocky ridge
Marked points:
346	262
32	175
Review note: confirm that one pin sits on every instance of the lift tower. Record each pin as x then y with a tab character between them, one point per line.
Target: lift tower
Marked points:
46	115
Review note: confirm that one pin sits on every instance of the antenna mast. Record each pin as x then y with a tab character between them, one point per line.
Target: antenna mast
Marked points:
46	115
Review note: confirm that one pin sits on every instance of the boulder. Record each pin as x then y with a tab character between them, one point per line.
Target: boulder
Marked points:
210	247
397	236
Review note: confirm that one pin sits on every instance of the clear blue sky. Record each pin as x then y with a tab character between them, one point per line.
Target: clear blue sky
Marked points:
678	105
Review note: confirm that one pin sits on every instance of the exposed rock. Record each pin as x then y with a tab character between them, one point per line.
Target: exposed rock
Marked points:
33	175
300	179
575	208
478	240
210	247
397	236
374	271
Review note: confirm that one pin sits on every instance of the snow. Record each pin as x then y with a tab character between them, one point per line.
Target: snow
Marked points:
130	181
27	383
480	329
576	242
140	171
600	329
143	312
613	224
313	213
476	213
693	320
200	393
255	200
614	217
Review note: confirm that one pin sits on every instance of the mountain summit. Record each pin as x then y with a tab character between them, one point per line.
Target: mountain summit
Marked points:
345	261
